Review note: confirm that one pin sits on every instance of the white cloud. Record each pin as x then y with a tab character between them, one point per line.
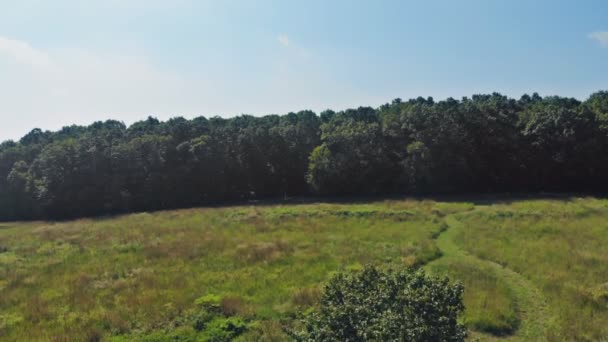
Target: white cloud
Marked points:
51	88
294	48
22	52
601	37
283	40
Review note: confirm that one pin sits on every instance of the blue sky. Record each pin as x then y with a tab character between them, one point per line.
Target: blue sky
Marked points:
74	61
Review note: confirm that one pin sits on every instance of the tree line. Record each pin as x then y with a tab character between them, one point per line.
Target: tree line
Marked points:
485	143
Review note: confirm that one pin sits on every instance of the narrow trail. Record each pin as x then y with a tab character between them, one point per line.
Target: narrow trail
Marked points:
532	307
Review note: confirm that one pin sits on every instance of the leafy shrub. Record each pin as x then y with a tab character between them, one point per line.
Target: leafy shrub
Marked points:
224	329
8	320
267	331
386	306
209	301
216	321
181	334
209	309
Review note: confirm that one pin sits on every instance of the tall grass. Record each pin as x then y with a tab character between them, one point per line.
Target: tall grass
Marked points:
138	273
127	277
562	247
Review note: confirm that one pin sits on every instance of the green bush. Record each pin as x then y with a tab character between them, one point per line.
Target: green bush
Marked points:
224	329
181	334
213	322
374	305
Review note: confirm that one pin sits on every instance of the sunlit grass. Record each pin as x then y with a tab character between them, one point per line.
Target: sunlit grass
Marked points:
139	276
102	277
491	306
561	246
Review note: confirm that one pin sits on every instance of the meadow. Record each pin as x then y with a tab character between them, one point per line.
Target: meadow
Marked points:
533	269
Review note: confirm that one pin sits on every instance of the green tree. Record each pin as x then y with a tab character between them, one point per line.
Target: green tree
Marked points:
374	305
486	143
598	104
562	145
353	157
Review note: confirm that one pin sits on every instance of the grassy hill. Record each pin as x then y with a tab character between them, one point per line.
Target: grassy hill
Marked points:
533	269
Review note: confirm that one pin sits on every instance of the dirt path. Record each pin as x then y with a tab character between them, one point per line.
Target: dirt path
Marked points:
532	307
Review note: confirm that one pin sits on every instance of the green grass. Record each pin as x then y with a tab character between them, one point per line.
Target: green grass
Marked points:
137	273
561	247
533	269
491	304
499	301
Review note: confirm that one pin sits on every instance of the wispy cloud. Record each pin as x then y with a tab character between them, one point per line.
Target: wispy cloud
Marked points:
601	37
293	47
49	88
283	40
23	53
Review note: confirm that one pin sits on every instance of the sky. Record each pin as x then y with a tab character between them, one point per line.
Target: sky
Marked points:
66	62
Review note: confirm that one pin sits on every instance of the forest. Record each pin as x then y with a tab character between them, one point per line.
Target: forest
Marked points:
482	144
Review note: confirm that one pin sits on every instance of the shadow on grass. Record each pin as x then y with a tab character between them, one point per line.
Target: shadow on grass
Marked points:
473	198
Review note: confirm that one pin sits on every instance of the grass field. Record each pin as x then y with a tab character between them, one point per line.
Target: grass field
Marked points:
532	269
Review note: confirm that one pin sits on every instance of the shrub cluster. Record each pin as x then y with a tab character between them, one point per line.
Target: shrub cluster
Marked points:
374	305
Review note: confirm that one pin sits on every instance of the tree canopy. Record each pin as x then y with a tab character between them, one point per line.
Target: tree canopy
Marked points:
485	143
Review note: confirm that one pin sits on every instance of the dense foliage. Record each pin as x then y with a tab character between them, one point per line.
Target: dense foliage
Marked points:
373	305
487	143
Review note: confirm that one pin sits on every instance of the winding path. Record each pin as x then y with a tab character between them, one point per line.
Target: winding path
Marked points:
532	306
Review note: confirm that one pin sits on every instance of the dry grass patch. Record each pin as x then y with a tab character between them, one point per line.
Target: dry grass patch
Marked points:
307	297
234	306
263	251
